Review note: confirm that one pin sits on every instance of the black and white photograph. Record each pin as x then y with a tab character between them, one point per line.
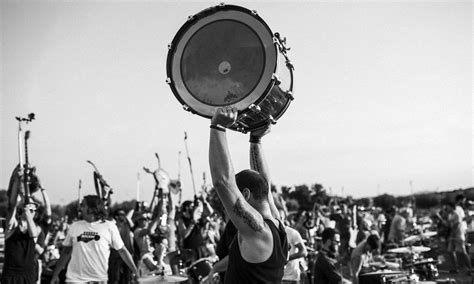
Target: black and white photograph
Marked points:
205	142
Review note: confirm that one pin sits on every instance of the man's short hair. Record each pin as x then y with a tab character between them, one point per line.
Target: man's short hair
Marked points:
328	234
255	182
374	242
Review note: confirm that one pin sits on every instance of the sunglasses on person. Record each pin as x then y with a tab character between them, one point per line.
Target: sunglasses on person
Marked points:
31	208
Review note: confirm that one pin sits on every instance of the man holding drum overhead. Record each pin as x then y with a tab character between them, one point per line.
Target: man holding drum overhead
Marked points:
259	251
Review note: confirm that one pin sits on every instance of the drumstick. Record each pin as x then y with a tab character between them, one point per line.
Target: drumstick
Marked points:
79	192
138	187
189	161
179	177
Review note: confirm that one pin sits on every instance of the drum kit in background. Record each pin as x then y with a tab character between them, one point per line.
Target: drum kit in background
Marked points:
406	264
398	265
195	272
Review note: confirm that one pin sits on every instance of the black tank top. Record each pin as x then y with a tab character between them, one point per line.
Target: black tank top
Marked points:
19	254
270	271
194	239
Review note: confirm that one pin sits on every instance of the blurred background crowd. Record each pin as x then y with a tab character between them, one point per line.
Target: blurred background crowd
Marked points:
188	238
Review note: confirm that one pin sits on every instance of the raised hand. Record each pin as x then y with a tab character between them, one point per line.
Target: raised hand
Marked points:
197	212
225	117
35	182
262	131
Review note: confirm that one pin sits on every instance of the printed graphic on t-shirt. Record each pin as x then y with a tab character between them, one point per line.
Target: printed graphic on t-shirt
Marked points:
88	236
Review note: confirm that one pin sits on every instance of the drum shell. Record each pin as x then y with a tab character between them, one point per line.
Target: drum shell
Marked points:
270	106
382	277
426	269
200	269
371	279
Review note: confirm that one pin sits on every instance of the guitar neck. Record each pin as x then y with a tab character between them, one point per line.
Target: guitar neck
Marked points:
26	172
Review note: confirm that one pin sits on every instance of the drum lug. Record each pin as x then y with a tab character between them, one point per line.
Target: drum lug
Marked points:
170	46
254	108
168	81
222	4
289	95
190	18
289	64
276	79
241	127
254	12
186	108
271	119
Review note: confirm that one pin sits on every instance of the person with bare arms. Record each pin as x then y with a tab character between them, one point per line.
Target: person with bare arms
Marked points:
259	250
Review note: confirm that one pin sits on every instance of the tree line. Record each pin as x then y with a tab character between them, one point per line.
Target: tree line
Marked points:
298	198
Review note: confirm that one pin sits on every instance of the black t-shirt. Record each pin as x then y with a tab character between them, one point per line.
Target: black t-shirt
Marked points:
270	271
222	247
194	238
20	255
325	271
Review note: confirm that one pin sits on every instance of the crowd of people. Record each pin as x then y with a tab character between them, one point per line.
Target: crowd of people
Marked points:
256	241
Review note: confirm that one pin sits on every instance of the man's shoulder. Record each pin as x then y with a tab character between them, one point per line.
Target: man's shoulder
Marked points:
138	230
459	210
110	223
323	260
292	234
76	224
290	230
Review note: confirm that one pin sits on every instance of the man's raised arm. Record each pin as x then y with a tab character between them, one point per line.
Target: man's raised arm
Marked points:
244	216
259	164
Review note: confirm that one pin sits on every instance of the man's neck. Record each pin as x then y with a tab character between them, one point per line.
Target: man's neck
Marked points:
264	210
89	218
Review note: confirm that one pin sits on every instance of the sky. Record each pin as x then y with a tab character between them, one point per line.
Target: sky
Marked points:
383	96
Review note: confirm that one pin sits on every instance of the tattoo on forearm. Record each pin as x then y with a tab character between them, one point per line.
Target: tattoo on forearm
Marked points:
246	216
254	156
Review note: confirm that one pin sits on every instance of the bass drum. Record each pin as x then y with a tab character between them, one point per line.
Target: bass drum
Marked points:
227	56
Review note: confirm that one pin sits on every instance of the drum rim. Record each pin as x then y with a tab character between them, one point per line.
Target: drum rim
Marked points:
179	278
205	259
259	92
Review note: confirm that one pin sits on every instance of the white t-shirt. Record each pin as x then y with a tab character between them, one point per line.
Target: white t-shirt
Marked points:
292	268
462	215
91	244
143	270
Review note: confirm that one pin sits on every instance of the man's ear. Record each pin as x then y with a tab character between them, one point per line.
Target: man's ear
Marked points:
246	193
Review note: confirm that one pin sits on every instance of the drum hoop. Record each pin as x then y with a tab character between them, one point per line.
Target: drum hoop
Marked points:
223	12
